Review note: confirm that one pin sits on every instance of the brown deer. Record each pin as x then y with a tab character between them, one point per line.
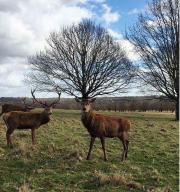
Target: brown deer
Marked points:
102	126
14	107
28	120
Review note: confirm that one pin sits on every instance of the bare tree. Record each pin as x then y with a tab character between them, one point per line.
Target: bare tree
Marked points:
156	39
83	60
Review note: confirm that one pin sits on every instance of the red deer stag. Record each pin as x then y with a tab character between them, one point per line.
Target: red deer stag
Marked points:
13	107
102	126
28	120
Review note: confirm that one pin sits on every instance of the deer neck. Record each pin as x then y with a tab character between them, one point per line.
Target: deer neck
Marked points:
45	117
87	114
87	118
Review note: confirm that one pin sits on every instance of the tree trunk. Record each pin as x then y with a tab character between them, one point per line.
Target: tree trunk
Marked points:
177	110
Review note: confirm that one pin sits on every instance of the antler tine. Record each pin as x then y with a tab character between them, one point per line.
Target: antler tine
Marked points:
59	96
24	100
34	98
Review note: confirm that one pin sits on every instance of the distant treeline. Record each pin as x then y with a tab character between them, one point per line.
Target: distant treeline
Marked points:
140	103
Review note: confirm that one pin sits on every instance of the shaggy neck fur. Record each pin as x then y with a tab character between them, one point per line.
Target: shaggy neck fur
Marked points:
87	119
45	118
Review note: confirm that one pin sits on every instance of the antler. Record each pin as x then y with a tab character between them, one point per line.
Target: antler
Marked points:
34	98
24	101
56	101
57	89
44	103
80	99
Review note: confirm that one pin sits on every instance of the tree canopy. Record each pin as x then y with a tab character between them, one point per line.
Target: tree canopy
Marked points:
83	60
156	39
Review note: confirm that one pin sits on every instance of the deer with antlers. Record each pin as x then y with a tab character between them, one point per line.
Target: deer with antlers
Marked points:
14	107
101	126
28	120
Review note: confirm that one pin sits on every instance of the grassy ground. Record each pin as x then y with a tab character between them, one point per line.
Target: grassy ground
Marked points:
57	162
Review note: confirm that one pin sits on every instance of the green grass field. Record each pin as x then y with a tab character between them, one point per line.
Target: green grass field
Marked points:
58	161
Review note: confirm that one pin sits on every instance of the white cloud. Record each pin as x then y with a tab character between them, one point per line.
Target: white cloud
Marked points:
22	32
138	10
153	24
129	49
15	36
9	5
115	34
126	45
24	26
109	16
12	72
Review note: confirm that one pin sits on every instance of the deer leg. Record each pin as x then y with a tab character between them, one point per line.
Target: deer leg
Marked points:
124	138
103	147
90	148
124	150
8	137
121	137
33	136
127	143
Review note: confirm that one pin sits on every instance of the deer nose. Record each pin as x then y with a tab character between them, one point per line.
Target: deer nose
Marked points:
84	109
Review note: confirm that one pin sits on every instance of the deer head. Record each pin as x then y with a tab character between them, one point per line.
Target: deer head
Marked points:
85	103
47	107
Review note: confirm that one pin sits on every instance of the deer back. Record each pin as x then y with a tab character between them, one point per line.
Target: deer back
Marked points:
25	120
12	107
101	125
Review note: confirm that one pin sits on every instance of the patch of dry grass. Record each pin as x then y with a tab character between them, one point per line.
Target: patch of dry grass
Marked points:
21	151
164	189
25	188
101	179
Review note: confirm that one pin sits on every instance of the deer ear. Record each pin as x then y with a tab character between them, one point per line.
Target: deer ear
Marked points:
92	100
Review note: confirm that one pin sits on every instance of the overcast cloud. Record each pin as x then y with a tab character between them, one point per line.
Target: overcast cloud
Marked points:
24	26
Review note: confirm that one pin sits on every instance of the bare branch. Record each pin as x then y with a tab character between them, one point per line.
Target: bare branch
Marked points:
156	39
83	60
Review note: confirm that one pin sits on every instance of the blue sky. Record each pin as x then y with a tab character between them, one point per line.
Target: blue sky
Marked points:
128	10
24	26
125	7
